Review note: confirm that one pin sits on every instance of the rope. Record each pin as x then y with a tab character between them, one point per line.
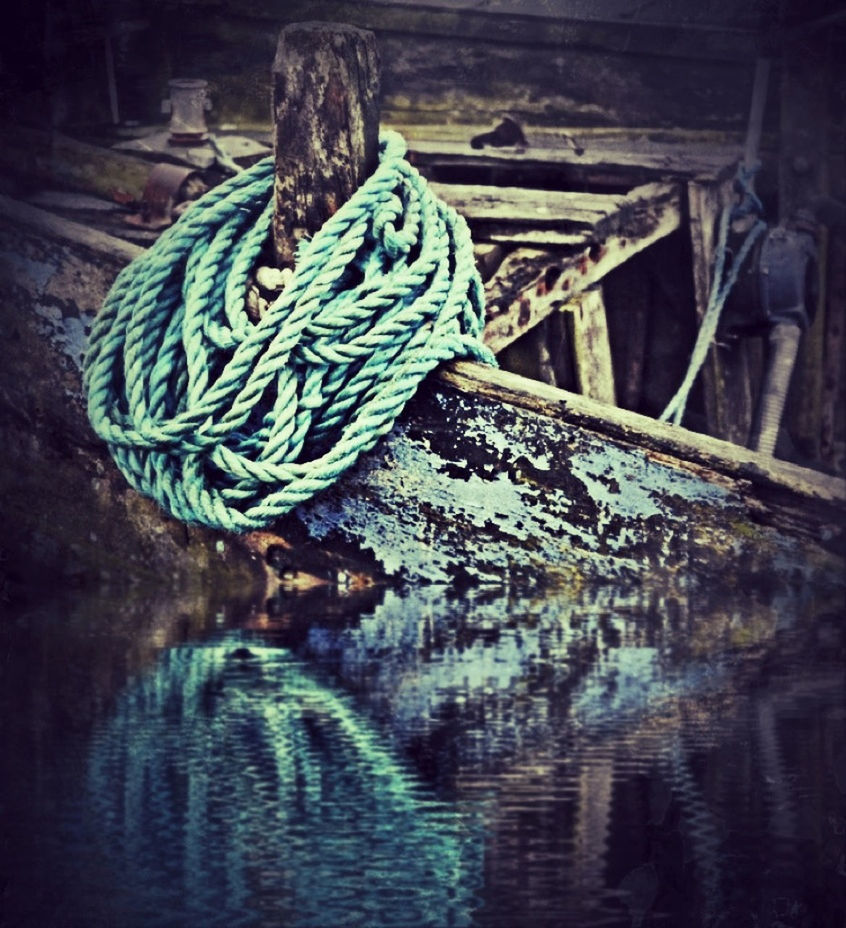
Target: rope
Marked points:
232	423
720	288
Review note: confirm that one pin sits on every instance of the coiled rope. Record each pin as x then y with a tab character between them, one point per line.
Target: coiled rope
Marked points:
232	423
721	286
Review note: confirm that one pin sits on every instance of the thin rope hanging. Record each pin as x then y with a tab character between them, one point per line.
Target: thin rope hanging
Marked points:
232	423
721	286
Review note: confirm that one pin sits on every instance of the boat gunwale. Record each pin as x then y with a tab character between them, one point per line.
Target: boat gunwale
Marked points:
691	450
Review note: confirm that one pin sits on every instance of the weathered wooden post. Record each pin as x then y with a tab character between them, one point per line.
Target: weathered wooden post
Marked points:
326	118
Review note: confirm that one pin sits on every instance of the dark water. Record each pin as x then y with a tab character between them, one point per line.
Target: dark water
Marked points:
601	758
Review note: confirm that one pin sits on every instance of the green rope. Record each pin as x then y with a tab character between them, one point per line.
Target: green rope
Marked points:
233	423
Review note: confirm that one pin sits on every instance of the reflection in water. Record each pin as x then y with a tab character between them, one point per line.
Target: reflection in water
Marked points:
609	758
246	791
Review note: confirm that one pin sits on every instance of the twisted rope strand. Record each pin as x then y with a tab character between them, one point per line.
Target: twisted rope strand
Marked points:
232	423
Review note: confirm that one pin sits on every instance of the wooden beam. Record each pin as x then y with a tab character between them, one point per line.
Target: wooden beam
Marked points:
628	161
530	284
57	227
695	41
533	238
726	373
588	330
659	440
326	126
629	307
520	206
60	161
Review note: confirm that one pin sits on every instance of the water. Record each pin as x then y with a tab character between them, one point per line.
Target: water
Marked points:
419	758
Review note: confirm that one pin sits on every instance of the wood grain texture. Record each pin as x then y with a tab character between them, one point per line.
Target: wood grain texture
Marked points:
532	283
626	161
326	126
591	347
60	161
516	482
726	374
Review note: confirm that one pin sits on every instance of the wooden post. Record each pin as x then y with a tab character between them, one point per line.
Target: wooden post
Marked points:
588	329
803	177
326	117
725	374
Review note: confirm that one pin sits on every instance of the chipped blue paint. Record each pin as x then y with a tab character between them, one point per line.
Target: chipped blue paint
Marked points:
475	489
67	333
409	546
635	486
511	523
62	321
502	486
33	274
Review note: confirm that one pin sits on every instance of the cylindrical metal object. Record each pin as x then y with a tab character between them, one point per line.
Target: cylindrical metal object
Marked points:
782	344
189	102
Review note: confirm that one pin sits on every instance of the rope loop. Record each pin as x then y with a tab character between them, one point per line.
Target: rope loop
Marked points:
232	423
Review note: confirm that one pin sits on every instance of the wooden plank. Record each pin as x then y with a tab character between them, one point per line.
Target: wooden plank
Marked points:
703	204
627	292
591	348
726	372
534	238
53	226
544	354
54	158
480	205
629	163
658	439
506	468
530	284
707	42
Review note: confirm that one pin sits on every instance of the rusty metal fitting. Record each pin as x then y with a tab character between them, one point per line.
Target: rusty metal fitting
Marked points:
167	185
188	104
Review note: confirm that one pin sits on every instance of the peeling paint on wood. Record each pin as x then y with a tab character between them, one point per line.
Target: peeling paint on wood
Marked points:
537	497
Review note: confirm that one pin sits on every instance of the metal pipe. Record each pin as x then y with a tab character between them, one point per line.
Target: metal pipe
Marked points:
783	345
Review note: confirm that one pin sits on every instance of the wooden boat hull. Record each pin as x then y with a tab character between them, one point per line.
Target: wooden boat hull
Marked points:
487	478
490	477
